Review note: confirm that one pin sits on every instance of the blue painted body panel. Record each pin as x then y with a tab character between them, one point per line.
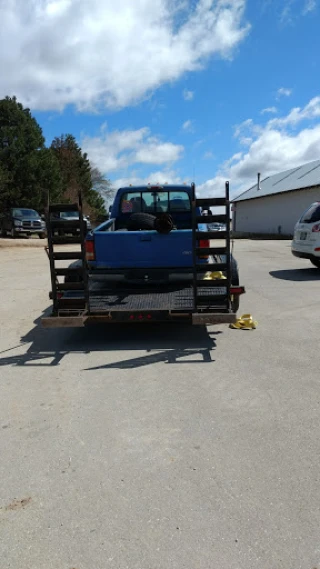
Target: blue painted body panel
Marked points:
143	249
122	249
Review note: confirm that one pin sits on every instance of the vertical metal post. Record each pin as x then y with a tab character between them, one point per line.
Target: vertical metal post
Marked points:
194	245
228	244
83	253
51	261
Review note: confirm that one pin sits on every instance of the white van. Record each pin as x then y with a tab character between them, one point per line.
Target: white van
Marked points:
306	240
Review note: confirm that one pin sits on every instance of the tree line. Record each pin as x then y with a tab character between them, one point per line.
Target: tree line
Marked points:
31	174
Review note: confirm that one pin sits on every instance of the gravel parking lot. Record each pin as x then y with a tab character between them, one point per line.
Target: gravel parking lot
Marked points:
162	447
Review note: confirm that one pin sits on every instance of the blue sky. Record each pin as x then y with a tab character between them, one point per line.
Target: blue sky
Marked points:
171	90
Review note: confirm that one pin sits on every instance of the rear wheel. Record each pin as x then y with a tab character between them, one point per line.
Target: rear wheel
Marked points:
13	233
75	276
316	263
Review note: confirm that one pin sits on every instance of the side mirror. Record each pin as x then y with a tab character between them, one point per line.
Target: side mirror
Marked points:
88	216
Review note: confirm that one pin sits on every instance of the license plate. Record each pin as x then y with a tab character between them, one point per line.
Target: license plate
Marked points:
303	236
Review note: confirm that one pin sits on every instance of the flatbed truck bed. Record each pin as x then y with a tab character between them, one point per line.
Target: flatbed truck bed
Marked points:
139	304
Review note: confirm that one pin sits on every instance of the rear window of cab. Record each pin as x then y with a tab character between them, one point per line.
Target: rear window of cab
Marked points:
155	202
312	214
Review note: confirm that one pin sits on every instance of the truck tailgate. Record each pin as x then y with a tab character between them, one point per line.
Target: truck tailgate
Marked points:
145	249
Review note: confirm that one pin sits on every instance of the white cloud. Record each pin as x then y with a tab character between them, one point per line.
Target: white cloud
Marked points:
239	128
212	188
188	126
158	177
270	110
296	115
284	92
112	151
310	6
292	10
274	147
208	155
286	16
245	140
105	53
188	95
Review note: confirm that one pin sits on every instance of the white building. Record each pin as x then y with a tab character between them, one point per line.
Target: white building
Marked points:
274	204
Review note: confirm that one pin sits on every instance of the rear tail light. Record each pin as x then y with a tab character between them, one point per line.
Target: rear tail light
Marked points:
90	253
204	244
316	228
237	290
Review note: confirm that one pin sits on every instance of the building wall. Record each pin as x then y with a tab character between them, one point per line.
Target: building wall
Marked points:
265	215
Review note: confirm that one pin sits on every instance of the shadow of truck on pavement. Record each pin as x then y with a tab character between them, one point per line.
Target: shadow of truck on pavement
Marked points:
169	343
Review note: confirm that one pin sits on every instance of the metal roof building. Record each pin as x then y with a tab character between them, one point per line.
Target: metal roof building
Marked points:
274	204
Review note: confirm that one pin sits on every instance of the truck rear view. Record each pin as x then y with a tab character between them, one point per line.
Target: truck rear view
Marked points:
153	260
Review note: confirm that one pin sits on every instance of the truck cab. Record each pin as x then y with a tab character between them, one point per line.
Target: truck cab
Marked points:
130	246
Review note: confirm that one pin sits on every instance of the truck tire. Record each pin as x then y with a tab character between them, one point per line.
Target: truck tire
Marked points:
140	221
75	277
164	224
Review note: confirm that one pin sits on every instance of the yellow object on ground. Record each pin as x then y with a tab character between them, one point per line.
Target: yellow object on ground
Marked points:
245	322
214	276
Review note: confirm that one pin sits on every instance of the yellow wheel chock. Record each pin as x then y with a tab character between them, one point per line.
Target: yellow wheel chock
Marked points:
217	275
245	322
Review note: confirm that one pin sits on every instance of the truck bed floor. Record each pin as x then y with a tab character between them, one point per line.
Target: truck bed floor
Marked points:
173	298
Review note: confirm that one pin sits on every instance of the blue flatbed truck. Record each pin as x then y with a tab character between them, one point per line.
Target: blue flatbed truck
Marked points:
154	260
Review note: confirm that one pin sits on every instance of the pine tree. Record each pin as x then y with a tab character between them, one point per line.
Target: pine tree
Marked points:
28	171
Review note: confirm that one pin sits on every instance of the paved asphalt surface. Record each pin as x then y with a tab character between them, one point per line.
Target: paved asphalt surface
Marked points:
162	447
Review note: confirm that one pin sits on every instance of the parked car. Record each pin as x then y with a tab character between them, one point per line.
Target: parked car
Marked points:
306	240
66	216
19	220
217	226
